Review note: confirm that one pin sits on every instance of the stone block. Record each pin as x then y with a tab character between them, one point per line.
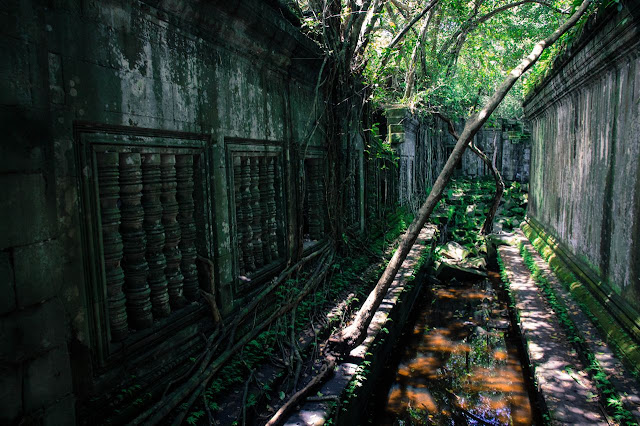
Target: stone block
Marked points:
10	395
61	414
26	211
47	379
32	331
38	271
7	289
25	133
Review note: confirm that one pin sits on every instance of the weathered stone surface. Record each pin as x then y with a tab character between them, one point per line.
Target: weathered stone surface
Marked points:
7	289
32	331
447	271
61	414
38	271
47	379
28	218
134	72
423	146
585	180
455	251
10	394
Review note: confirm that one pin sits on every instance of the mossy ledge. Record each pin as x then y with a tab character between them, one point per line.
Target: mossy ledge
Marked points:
616	327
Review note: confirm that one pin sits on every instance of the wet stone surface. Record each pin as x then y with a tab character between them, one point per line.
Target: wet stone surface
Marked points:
460	364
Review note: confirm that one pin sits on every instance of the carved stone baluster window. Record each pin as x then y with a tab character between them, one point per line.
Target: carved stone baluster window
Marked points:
133	237
259	216
172	231
109	187
184	177
147	216
151	192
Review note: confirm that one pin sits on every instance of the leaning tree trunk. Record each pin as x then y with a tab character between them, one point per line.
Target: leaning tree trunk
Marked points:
354	334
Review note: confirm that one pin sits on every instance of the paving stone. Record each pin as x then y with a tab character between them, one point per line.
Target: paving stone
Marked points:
565	386
8	299
47	379
31	331
38	271
10	394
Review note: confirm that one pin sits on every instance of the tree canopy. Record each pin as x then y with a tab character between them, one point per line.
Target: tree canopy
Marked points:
443	56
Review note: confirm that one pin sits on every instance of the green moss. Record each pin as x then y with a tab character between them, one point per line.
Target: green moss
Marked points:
611	398
623	345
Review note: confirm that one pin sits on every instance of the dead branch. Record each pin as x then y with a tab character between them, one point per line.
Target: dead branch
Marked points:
325	372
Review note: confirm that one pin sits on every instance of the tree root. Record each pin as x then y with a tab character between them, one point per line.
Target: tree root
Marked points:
325	372
197	383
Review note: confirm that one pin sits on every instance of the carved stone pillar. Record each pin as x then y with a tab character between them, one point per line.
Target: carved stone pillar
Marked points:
315	196
134	242
151	191
247	217
264	210
184	176
172	230
237	172
109	189
271	205
256	224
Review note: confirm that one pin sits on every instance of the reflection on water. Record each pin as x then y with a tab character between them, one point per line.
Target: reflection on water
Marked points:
459	367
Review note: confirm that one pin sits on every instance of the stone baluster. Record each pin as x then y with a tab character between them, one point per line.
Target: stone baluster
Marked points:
264	210
172	231
184	176
237	172
151	191
109	188
271	205
134	242
247	216
256	224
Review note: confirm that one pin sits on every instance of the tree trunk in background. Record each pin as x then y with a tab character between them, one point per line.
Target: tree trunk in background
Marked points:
413	64
354	334
487	227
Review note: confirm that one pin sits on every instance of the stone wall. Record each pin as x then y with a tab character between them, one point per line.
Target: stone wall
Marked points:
424	144
585	175
139	136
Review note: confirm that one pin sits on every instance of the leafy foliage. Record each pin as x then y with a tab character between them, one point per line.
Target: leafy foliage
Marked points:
452	58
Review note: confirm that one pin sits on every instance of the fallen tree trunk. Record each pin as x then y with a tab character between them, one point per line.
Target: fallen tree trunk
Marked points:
355	333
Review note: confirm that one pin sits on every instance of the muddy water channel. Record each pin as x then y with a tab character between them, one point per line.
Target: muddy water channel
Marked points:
460	364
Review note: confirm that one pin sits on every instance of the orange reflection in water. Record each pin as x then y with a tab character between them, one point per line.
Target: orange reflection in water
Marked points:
457	363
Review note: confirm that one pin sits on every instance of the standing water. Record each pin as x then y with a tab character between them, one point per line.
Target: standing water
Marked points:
461	365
